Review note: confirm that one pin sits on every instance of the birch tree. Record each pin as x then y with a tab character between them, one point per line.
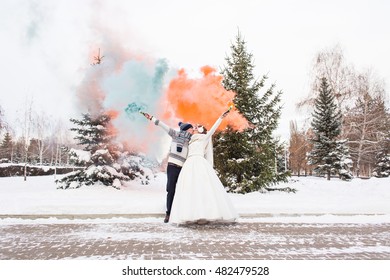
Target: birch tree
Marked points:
1	119
41	128
364	123
27	123
331	64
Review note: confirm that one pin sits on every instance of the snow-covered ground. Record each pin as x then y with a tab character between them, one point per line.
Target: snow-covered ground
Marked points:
316	200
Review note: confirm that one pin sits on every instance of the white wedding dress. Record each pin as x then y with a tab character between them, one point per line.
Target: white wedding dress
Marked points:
200	196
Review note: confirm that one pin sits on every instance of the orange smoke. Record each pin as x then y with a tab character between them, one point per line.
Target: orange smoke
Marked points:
111	129
113	114
201	100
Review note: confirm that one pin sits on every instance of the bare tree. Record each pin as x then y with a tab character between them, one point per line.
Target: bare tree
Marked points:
331	64
27	124
1	119
363	123
60	143
298	150
41	128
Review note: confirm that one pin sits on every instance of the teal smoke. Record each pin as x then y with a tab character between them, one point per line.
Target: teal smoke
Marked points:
136	86
152	91
134	108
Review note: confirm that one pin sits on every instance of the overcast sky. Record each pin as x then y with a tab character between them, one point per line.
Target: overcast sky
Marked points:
45	45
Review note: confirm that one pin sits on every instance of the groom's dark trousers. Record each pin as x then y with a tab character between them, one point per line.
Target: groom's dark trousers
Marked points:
173	172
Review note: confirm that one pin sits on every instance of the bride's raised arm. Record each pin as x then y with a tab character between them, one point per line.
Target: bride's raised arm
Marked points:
216	124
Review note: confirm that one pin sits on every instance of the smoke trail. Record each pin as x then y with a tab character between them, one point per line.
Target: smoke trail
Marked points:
90	93
159	74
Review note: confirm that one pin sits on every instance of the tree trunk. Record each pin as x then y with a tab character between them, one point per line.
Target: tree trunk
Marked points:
52	155
363	135
40	157
25	165
12	153
55	162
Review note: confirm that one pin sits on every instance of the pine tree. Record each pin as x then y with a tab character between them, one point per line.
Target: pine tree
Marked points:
96	135
382	168
245	160
329	155
382	165
6	147
343	163
18	150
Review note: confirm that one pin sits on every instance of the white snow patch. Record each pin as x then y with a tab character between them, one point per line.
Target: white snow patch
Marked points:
316	200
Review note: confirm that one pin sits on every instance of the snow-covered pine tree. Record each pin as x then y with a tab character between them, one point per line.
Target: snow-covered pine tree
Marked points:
329	155
6	147
382	168
245	161
343	162
18	150
382	165
96	135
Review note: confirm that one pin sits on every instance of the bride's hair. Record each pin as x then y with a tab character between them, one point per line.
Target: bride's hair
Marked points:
201	129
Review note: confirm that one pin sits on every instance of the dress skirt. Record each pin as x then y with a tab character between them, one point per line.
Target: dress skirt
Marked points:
200	195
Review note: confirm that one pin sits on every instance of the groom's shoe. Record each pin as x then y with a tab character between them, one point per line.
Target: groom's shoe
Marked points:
166	220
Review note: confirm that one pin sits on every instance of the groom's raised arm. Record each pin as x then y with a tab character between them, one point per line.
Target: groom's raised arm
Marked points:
161	124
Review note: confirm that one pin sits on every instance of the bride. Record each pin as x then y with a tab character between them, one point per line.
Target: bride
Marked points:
200	196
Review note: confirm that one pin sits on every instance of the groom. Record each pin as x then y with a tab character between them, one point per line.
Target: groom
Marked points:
177	156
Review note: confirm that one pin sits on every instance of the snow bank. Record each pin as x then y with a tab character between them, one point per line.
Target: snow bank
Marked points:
315	197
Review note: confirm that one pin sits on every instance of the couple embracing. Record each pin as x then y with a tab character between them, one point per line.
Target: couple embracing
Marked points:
194	192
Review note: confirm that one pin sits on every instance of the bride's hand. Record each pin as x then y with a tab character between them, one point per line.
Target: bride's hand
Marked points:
225	114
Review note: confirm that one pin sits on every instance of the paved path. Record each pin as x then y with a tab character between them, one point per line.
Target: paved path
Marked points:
155	240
